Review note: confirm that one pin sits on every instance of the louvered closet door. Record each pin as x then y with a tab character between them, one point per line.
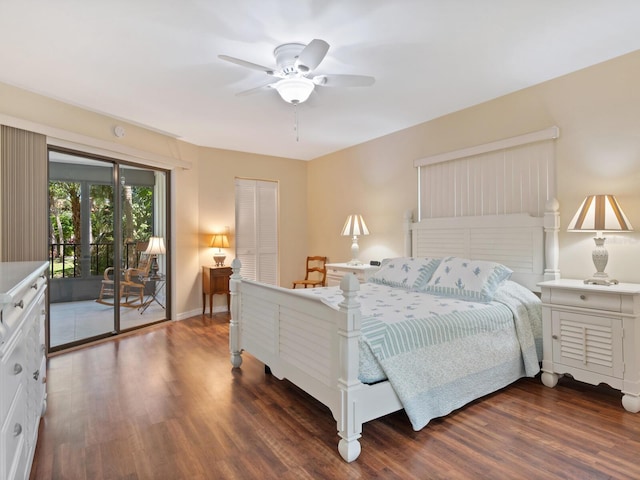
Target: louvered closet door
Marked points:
588	342
257	229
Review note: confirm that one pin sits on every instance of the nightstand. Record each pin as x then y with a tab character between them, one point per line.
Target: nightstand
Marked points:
335	272
592	333
215	280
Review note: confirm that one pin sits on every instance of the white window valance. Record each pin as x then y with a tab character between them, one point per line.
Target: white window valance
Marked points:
514	175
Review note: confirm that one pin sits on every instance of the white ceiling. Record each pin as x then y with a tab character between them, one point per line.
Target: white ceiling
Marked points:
155	62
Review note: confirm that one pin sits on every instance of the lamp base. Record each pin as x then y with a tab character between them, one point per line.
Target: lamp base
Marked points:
355	250
600	257
601	281
153	269
219	259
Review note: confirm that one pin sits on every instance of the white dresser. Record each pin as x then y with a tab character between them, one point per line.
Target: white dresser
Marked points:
22	364
592	333
335	272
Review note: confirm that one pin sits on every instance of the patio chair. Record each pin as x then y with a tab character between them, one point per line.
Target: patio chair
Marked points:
131	284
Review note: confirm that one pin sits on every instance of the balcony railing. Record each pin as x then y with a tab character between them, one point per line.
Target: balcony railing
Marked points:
65	259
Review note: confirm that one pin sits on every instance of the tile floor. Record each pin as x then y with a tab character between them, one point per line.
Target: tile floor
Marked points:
73	321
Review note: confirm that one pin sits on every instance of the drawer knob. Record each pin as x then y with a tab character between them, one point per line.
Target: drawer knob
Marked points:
555	337
36	375
583	297
17	429
17	369
20	304
34	286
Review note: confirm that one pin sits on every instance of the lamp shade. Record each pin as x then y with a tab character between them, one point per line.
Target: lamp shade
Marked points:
219	240
355	226
600	213
294	90
156	246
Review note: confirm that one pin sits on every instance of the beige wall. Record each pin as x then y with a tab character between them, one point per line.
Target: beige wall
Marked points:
598	152
216	172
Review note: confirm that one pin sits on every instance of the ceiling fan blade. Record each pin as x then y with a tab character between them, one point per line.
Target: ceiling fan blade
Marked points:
311	55
256	89
244	63
344	80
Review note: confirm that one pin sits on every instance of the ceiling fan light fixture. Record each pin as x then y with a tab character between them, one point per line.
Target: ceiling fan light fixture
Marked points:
295	90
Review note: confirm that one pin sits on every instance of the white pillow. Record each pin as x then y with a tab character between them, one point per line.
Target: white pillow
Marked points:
405	272
475	280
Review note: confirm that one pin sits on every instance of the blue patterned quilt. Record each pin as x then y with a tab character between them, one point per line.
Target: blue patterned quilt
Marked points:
440	353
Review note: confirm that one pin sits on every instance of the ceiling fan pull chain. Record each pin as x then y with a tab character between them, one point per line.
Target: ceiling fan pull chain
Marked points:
295	120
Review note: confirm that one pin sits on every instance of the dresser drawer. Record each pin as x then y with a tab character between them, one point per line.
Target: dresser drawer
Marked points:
12	438
13	369
14	312
586	299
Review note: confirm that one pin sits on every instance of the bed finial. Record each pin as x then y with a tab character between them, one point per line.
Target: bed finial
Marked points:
236	264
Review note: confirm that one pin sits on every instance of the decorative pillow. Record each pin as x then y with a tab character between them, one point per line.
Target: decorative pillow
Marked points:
475	280
405	272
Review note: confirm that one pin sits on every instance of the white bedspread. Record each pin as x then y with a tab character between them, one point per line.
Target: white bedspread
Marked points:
441	353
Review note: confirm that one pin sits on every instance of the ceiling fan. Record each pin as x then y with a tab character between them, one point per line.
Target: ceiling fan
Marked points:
292	77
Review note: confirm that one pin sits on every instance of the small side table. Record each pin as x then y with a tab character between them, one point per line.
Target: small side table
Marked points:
215	280
158	284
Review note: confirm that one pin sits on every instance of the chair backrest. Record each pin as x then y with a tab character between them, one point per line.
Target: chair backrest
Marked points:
144	264
316	269
144	260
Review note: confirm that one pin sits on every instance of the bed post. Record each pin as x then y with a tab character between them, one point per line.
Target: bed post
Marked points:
349	423
551	250
234	326
406	225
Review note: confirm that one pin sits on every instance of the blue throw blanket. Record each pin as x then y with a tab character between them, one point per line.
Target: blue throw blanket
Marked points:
440	353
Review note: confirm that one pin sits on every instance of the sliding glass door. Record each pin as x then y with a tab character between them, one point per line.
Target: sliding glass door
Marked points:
106	248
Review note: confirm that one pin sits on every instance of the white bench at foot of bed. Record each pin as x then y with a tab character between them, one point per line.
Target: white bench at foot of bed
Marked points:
312	345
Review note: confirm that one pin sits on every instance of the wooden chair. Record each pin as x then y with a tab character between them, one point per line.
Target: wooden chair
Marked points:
133	284
131	287
316	273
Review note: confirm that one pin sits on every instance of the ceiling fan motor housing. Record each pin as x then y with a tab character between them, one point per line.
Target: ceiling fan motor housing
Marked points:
286	56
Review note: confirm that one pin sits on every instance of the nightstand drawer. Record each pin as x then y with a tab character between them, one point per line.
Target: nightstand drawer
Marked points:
586	299
335	272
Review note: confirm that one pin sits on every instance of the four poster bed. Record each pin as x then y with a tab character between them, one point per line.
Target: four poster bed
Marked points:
452	320
313	337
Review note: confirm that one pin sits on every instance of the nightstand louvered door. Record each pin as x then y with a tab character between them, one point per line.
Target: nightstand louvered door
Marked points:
588	342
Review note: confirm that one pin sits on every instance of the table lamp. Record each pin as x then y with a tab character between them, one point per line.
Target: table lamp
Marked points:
219	241
353	227
600	213
155	248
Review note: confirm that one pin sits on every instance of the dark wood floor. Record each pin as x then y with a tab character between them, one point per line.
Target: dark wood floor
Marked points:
165	404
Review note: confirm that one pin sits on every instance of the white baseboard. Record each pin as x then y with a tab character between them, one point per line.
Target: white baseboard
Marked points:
197	311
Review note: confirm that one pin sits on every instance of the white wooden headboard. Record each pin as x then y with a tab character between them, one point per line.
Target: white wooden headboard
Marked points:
491	202
526	244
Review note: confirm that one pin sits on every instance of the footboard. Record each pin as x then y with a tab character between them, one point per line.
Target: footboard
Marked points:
313	345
